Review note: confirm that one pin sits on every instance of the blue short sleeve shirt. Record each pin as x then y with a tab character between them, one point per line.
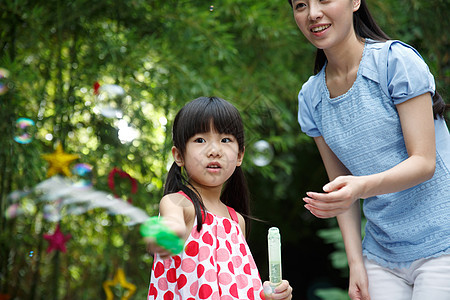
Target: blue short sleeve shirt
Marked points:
363	129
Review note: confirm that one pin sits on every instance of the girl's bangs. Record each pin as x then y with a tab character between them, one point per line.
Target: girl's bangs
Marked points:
198	115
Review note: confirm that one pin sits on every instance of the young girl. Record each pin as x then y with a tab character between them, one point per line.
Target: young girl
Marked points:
370	111
206	202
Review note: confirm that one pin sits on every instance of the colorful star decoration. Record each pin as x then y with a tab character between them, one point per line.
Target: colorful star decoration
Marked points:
57	240
119	278
59	161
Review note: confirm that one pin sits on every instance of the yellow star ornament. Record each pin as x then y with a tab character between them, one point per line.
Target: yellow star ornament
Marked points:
59	161
119	278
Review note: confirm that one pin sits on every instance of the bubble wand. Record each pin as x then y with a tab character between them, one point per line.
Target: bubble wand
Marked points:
163	236
274	245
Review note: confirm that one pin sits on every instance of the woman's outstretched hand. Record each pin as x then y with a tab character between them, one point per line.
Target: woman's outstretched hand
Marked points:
338	196
282	292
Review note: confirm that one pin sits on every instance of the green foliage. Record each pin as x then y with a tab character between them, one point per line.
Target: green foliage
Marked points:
332	293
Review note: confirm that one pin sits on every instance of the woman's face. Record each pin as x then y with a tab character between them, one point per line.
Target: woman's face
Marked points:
325	23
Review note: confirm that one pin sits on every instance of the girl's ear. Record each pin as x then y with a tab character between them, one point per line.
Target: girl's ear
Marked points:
177	157
240	157
356	5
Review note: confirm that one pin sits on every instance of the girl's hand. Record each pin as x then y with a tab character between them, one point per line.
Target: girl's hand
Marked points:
359	283
339	196
282	292
154	248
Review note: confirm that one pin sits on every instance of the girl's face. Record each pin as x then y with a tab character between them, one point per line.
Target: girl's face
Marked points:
210	158
325	23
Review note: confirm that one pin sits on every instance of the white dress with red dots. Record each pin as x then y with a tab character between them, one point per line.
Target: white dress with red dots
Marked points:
216	264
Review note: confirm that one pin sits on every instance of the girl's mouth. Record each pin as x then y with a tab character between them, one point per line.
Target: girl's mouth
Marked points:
213	165
320	28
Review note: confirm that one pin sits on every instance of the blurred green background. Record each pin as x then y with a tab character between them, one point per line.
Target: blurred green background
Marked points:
157	55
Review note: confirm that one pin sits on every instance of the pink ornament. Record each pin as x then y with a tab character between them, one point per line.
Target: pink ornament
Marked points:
57	240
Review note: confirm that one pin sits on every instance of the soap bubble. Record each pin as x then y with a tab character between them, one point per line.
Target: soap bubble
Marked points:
211	8
25	129
82	174
109	98
262	153
4	74
13	211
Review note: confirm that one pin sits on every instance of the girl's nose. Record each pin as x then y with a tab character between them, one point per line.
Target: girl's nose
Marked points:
215	150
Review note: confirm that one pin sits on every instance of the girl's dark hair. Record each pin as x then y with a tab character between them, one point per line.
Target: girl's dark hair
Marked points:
198	116
366	27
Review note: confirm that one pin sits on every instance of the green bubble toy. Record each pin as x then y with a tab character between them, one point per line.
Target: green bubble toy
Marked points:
166	238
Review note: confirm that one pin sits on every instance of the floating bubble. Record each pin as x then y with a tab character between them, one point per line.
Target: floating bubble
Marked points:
109	97
25	129
4	74
83	175
262	153
13	211
211	8
31	254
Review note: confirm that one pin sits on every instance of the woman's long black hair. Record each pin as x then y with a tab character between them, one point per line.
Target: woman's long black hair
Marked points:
366	27
198	116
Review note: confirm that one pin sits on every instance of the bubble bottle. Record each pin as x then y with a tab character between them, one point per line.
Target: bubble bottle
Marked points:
274	245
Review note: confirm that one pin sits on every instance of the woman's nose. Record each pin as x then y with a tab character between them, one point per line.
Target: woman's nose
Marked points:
315	11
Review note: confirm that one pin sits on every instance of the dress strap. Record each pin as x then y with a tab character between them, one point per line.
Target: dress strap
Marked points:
231	210
233	214
184	194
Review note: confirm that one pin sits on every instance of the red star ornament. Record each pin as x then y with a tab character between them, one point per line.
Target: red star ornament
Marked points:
57	240
59	161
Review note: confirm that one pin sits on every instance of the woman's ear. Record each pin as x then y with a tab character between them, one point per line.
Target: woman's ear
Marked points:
356	5
240	157
177	157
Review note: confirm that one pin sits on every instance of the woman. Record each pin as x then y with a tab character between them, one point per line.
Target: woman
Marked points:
370	111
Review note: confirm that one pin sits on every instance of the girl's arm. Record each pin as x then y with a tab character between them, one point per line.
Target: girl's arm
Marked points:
350	225
416	117
172	211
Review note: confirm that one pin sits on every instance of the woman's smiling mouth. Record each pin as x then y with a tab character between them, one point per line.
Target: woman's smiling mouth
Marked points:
320	28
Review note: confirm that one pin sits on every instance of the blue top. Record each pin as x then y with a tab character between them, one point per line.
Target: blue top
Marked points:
363	129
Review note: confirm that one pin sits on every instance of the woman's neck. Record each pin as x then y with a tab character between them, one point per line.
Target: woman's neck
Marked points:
344	58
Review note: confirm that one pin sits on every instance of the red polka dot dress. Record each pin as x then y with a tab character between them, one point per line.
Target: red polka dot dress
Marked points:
216	264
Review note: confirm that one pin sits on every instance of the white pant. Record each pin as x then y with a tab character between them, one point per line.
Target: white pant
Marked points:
425	279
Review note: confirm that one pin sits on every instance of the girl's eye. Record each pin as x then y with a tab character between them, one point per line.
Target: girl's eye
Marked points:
226	140
199	140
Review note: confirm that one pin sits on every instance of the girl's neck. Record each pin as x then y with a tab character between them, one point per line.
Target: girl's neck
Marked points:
209	195
211	199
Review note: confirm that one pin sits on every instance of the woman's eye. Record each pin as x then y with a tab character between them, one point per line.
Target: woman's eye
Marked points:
300	5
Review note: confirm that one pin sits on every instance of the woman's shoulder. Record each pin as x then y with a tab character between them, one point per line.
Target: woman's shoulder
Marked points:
312	86
378	53
382	61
